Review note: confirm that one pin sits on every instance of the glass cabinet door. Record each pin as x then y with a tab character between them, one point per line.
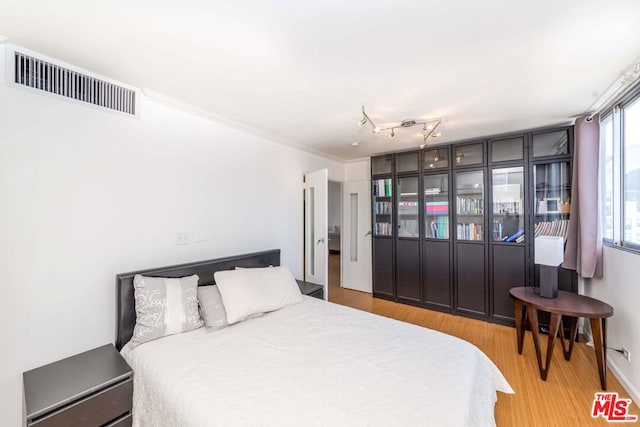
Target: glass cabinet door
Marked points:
550	143
508	205
382	207
552	202
470	205
436	206
408	223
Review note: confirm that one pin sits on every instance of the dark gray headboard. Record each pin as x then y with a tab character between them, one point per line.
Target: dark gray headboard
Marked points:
126	309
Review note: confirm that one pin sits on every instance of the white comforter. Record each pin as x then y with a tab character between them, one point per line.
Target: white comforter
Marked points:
313	363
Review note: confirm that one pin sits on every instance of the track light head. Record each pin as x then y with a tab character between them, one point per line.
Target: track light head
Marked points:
362	122
392	134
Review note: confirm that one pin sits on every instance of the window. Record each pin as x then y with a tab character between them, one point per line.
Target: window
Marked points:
631	177
620	169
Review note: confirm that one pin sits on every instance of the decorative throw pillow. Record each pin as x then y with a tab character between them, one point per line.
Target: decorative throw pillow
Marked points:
164	306
211	307
256	290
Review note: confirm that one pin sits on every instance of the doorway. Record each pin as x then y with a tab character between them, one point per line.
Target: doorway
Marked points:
334	234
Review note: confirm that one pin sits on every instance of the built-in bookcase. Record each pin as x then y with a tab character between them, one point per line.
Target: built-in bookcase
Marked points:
454	225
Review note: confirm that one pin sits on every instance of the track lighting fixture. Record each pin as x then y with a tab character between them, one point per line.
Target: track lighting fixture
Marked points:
428	127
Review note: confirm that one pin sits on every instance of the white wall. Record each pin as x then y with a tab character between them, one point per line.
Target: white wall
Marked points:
620	288
86	194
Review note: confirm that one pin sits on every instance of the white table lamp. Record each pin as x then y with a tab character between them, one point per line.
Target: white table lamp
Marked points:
549	252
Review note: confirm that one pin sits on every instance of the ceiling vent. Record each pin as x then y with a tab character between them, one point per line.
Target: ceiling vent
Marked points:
46	76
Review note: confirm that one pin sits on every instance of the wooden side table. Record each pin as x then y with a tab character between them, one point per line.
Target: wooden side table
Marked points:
527	302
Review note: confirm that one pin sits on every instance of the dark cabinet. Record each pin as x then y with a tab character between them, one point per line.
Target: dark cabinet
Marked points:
454	226
93	388
436	274
408	267
509	271
471	292
383	268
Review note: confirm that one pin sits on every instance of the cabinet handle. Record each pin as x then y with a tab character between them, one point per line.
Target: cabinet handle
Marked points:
368	233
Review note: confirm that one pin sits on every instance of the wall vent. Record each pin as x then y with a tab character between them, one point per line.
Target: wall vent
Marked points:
39	74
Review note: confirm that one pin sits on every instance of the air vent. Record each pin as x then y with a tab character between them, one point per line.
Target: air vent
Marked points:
38	74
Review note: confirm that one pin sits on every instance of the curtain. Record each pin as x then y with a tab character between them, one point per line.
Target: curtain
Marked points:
583	251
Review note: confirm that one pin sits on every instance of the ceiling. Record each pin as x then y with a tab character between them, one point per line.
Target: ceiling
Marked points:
299	72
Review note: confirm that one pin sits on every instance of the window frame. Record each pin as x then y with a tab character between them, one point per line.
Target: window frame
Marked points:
617	113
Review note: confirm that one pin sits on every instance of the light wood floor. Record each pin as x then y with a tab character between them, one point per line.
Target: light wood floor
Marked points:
566	397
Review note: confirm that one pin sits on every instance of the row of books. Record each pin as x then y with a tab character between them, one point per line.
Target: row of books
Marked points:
469	231
470	206
506	207
558	227
382	187
383	229
439	229
382	208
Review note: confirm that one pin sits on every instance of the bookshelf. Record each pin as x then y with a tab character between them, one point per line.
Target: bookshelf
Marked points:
408	207
453	226
382	207
507	207
552	198
470	205
436	206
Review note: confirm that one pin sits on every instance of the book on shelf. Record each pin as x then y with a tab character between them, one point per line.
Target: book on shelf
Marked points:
514	236
558	227
469	231
439	228
383	229
382	187
469	206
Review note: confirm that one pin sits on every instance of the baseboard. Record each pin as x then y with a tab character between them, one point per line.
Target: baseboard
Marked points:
633	392
615	370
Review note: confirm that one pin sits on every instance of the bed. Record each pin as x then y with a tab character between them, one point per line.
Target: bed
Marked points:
312	363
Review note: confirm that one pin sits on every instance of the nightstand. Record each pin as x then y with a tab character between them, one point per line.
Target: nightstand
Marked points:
94	388
311	289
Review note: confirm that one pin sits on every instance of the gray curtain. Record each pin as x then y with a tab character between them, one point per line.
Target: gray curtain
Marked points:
583	251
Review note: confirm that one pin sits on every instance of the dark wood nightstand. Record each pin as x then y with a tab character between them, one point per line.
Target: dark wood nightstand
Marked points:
311	289
94	388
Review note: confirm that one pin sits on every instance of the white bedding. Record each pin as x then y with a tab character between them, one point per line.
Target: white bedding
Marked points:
314	363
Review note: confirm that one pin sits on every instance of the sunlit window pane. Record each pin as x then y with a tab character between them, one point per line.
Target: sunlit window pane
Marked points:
631	178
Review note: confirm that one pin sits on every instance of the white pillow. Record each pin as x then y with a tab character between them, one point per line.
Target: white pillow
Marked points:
164	306
256	290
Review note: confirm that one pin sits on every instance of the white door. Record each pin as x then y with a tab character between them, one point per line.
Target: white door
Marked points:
316	219
356	236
